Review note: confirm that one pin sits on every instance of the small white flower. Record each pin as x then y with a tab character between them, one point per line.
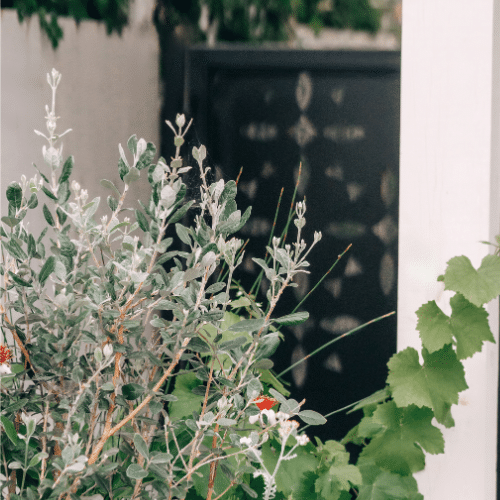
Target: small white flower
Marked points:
302	439
246	440
271	416
107	350
5	369
253	418
75	186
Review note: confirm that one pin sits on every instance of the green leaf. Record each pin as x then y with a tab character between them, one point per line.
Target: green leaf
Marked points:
229	192
123	168
434	327
61	216
15	195
109	185
395	447
11	221
311	417
338	478
63	193
132	175
375	398
47	269
146	157
291	472
132	391
31	245
435	384
37	458
292	319
248	325
10	430
470	326
183	234
66	170
179	214
142	221
19	280
33	201
48	215
135	471
91	208
380	484
51	195
112	203
132	144
15	250
186	402
478	287
141	446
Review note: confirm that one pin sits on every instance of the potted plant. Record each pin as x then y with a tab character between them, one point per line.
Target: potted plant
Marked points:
104	399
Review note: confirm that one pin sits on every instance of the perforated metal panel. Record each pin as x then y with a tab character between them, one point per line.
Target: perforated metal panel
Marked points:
337	114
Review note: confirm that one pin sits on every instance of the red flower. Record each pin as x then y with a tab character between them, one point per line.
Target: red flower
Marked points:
5	354
265	402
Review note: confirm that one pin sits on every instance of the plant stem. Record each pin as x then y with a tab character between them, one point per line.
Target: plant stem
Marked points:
319	349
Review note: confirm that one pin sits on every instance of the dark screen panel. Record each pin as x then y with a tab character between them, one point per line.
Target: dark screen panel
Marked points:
338	116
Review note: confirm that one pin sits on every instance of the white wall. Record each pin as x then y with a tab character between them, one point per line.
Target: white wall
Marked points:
109	91
449	202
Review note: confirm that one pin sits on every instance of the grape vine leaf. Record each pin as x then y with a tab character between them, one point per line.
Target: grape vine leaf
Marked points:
468	324
335	473
379	484
291	472
478	287
434	327
398	448
186	402
434	384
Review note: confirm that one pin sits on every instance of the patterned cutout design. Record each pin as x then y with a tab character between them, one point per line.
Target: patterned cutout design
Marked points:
343	128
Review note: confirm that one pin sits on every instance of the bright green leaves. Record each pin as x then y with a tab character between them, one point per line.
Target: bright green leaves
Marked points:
9	428
479	287
335	472
186	402
384	485
434	327
403	433
468	324
434	384
291	472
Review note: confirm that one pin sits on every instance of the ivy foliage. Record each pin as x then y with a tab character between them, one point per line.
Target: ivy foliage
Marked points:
114	13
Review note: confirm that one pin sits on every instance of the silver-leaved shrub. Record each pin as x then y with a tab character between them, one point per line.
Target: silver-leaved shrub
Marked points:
125	372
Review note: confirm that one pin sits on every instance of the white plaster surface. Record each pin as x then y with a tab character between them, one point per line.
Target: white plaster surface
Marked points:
109	90
449	203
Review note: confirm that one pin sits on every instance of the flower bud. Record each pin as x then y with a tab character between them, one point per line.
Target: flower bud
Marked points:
107	350
180	120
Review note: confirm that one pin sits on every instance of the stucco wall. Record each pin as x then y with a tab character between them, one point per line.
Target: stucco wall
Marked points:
109	91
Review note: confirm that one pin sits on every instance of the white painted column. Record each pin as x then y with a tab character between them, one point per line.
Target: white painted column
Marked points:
449	202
